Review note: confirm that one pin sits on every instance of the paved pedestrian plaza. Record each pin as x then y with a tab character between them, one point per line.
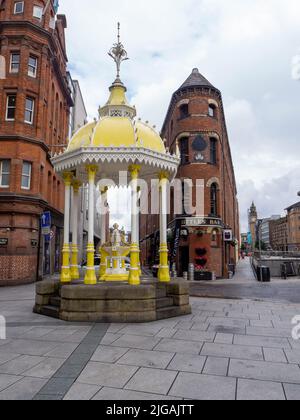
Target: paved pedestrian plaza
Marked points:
226	350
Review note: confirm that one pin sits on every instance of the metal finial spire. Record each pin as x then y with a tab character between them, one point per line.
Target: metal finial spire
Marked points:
118	53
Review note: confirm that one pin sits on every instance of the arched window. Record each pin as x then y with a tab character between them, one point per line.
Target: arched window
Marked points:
212	110
214	199
184	150
184	111
2	67
213	151
214	238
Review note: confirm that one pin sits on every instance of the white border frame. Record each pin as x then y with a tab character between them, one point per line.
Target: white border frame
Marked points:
28	176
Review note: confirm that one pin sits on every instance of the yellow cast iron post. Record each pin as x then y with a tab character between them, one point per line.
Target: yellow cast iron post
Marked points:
90	276
75	275
65	276
164	270
134	273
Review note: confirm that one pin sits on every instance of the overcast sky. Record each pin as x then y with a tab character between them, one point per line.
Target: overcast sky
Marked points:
244	47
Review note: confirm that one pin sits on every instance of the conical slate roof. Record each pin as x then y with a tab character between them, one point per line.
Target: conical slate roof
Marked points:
196	79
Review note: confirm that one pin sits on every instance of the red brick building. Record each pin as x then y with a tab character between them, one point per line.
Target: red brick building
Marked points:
35	103
195	122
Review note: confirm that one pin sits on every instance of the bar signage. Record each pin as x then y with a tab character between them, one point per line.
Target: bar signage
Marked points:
202	221
3	241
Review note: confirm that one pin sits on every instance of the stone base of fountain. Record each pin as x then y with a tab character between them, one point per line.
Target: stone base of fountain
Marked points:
113	302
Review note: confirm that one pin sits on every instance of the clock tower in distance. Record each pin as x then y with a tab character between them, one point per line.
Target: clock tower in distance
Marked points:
252	217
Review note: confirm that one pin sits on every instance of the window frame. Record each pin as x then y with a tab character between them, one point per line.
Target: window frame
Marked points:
14	53
212	111
25	175
214	200
34	73
186	160
213	144
15	7
28	98
184	111
5	173
35	7
9	95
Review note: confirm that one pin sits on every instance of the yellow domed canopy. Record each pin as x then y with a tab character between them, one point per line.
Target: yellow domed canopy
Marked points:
117	127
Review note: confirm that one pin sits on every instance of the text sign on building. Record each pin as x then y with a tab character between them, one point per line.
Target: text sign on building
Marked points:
201	221
228	235
46	223
3	241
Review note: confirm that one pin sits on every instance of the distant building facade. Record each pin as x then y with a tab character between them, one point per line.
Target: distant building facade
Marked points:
279	234
293	220
35	106
265	230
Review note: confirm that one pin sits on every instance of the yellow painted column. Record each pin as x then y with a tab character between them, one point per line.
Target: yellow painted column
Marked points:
75	275
103	263
90	276
65	276
134	272
164	269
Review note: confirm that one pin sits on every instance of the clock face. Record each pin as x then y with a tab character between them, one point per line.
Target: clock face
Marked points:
199	144
253	219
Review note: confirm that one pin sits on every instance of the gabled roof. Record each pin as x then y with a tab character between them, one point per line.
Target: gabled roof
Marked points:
294	206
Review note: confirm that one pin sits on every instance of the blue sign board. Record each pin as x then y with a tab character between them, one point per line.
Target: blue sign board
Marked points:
46	222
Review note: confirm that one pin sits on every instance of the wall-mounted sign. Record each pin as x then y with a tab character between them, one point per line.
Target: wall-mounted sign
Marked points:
46	223
3	241
202	221
228	235
34	243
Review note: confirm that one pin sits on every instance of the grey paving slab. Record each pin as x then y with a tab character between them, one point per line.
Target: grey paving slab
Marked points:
6	357
63	350
266	371
195	336
148	330
146	358
274	355
110	338
113	394
216	366
81	392
37	332
203	387
185	325
154	381
105	374
292	392
166	333
187	363
260	341
137	342
20	365
269	332
293	356
179	346
200	326
222	338
228	322
260	323
227	330
251	390
29	347
25	389
7	380
107	354
45	369
114	328
232	351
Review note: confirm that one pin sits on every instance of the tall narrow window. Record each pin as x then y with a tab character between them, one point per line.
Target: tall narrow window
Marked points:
32	66
11	107
14	62
212	111
26	176
184	111
214	200
184	151
4	173
19	7
213	151
29	110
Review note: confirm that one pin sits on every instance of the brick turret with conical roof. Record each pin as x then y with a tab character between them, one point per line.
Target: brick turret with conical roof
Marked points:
195	123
